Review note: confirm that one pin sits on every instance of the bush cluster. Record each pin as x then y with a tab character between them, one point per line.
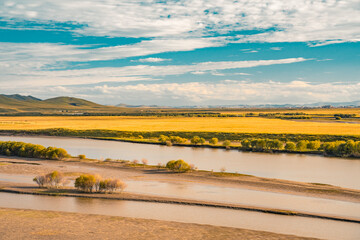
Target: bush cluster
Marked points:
178	165
53	179
349	148
22	149
197	140
172	139
95	183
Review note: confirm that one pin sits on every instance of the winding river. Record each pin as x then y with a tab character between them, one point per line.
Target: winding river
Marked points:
297	167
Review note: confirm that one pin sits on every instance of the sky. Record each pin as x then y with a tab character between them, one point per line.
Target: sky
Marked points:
182	52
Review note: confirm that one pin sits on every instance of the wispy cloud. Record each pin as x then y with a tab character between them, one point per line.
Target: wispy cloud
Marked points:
151	60
224	92
131	73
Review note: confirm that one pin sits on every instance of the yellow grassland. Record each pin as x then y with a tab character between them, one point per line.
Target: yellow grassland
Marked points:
209	124
314	111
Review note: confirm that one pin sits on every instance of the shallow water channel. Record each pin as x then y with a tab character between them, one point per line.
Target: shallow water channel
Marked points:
300	226
204	192
296	167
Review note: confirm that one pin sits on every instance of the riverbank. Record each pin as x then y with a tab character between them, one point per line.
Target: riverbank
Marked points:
126	171
233	138
20	224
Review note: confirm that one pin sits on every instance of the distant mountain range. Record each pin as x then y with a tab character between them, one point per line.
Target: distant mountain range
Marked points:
312	105
19	104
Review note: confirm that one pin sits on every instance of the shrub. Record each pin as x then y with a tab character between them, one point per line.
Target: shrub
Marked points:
214	141
290	146
163	138
313	145
226	143
85	182
177	139
90	183
135	161
144	161
197	140
53	179
245	144
178	165
40	180
302	145
82	156
111	185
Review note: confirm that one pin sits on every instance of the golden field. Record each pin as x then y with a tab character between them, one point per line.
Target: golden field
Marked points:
209	124
310	111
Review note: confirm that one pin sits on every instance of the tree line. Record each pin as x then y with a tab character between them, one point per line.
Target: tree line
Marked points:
29	150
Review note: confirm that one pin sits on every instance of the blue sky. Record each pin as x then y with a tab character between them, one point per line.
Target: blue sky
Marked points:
194	52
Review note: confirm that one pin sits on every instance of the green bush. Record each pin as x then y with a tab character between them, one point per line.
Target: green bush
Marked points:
197	140
314	145
82	156
302	145
226	143
214	141
290	146
178	165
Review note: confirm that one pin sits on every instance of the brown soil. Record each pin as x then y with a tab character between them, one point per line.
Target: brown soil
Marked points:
30	224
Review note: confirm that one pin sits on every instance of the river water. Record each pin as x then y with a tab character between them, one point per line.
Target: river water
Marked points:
297	167
301	226
204	192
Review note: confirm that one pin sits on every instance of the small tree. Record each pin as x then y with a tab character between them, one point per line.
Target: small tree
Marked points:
85	182
53	179
40	180
82	156
302	145
290	146
214	141
314	145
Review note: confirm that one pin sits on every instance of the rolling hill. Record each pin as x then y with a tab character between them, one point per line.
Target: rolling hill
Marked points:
18	104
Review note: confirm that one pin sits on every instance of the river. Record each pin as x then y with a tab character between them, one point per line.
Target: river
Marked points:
301	226
296	167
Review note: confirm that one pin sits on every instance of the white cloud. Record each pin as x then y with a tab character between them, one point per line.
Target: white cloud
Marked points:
276	48
151	60
323	22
